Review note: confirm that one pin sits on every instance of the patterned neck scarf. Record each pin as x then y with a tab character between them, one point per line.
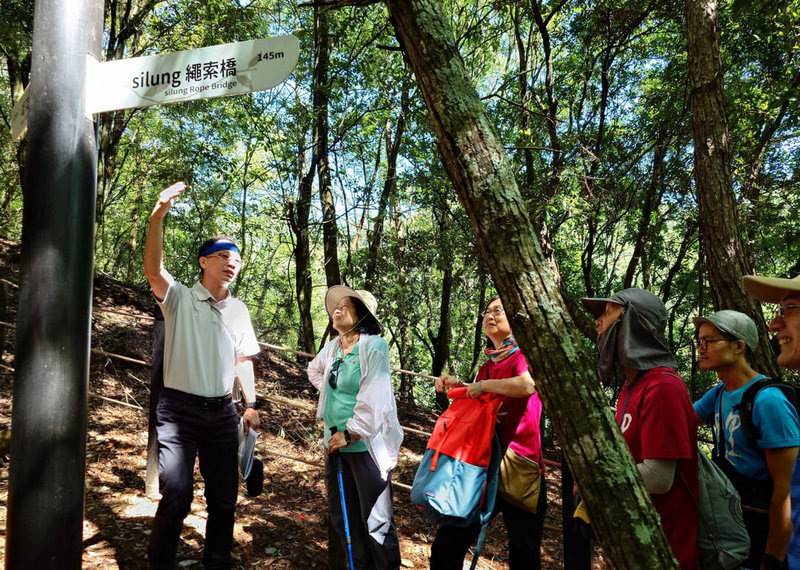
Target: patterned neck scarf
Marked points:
508	348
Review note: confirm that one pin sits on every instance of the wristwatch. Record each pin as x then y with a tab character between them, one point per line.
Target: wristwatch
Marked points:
770	562
347	437
251	405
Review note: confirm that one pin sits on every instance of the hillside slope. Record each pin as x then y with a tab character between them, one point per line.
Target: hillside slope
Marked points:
282	528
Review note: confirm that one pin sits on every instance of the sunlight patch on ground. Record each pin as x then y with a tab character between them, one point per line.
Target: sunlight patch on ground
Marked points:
144	507
409	455
140	507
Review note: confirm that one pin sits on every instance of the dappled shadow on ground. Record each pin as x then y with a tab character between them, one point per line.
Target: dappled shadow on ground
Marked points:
285	527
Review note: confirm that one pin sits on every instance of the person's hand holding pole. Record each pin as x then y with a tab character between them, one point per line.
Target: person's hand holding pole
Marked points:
338	460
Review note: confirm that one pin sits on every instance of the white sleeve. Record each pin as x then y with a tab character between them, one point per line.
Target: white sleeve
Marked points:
316	368
375	413
657	474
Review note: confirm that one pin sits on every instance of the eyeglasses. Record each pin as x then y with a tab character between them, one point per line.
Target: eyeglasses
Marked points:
497	312
227	257
702	343
333	377
784	309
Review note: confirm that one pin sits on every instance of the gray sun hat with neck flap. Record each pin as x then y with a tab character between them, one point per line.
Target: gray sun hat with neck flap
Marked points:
636	339
733	323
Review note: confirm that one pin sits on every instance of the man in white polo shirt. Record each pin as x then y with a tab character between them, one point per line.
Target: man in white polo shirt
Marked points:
209	342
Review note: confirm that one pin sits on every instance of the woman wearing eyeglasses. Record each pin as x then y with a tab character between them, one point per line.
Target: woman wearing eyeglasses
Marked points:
760	467
357	406
504	373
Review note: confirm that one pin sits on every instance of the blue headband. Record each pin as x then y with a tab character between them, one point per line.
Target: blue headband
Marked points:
218	246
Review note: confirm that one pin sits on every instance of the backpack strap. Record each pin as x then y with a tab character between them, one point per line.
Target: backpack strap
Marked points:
747	404
719	438
695	500
492	481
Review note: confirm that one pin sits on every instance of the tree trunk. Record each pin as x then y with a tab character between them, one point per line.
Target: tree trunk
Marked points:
758	153
480	342
622	513
726	255
440	343
406	390
330	235
389	186
548	108
650	202
132	263
18	68
298	219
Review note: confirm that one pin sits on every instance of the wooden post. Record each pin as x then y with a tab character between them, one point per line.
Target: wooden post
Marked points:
156	383
3	314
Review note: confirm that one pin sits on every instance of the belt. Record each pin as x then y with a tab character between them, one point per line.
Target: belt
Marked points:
197	401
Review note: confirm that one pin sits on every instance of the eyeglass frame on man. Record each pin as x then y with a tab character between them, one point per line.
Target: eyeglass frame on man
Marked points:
702	343
782	309
225	257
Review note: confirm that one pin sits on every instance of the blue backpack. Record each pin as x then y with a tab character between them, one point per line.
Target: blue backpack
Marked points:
456	481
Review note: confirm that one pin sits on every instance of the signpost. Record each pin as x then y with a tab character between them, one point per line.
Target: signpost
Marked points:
49	418
215	71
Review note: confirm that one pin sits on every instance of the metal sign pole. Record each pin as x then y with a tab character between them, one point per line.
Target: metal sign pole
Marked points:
48	443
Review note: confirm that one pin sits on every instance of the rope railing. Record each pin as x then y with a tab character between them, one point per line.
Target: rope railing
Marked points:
272	398
142	316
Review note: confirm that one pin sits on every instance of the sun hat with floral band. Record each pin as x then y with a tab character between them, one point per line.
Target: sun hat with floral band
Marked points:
733	323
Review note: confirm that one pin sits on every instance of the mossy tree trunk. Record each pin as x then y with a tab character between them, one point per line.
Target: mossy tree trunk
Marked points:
624	518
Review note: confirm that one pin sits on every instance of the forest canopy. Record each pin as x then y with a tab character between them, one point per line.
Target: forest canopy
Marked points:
335	176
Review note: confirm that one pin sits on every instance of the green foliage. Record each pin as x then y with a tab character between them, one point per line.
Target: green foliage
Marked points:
592	184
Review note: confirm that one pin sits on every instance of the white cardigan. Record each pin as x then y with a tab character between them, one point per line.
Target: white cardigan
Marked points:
375	413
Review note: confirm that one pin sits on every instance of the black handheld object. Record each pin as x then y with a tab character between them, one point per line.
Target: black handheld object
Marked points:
338	460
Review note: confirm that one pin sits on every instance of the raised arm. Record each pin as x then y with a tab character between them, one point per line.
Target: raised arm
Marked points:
154	270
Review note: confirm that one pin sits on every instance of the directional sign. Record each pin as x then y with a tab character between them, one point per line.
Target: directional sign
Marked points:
215	71
19	116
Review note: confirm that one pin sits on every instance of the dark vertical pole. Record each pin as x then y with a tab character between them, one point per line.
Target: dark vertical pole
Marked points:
48	445
3	314
156	383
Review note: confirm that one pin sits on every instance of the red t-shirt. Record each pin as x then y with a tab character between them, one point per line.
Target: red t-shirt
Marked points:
518	418
657	422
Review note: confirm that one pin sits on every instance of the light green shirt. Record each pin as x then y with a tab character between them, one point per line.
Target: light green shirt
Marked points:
341	401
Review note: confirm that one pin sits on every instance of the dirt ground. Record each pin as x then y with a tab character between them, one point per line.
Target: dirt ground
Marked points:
285	526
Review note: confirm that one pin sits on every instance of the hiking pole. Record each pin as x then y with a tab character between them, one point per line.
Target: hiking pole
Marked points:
338	459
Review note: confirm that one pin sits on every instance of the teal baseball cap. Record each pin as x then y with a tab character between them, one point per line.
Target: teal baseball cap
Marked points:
733	323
